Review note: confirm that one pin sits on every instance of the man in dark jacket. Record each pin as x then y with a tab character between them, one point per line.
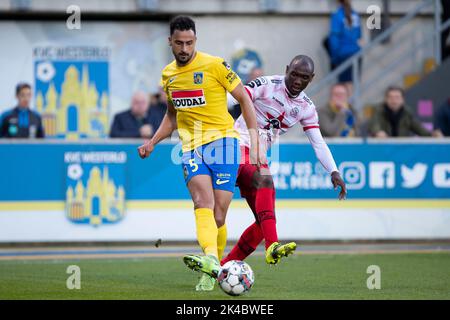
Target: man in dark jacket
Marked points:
21	122
394	119
158	108
135	122
337	118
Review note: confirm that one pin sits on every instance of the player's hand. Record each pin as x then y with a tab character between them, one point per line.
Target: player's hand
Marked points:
253	154
337	181
262	154
262	149
145	150
258	156
262	159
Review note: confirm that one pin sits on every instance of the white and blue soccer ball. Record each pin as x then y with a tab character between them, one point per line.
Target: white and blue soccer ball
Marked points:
236	278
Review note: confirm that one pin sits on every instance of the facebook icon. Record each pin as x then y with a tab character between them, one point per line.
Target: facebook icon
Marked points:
382	175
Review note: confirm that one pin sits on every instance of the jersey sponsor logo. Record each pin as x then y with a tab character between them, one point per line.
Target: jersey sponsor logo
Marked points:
257	82
276	81
307	100
188	98
279	102
231	76
222	178
198	77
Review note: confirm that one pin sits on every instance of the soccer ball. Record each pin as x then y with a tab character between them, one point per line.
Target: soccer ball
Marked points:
236	278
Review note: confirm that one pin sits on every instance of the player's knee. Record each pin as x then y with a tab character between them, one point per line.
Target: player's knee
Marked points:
220	213
202	202
262	181
220	220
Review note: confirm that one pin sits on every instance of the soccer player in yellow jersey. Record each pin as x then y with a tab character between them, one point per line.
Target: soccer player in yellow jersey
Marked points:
196	85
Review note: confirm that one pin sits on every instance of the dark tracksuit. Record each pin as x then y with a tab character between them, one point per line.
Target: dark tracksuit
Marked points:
126	125
21	123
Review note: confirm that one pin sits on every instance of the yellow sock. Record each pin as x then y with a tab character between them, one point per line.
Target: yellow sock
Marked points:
206	230
221	240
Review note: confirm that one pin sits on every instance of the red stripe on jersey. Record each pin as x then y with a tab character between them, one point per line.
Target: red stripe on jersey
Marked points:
187	94
249	93
310	127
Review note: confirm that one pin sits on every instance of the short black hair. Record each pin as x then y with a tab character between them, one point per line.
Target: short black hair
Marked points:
21	86
304	60
182	23
395	88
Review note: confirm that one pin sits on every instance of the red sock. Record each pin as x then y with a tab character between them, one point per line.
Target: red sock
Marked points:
247	243
265	207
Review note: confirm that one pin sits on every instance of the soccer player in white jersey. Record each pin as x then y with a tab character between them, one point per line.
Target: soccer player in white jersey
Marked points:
280	103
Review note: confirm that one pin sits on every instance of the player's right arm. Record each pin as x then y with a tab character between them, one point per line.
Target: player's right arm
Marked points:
325	157
248	113
311	128
168	125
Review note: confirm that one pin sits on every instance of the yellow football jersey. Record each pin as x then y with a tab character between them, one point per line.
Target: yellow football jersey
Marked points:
198	91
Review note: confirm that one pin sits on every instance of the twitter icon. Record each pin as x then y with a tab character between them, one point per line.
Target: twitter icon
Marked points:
413	177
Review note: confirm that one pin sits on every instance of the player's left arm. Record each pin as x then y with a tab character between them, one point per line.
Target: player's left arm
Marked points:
166	128
323	153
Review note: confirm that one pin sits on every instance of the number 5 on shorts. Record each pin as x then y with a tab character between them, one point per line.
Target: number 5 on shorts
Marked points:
193	165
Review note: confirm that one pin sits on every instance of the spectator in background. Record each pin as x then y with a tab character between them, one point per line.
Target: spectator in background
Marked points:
337	118
135	122
345	32
442	120
394	119
21	122
158	107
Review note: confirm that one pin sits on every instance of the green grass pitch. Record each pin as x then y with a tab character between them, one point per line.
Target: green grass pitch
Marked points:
343	276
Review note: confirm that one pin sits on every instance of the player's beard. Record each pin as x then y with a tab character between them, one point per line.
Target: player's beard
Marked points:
183	59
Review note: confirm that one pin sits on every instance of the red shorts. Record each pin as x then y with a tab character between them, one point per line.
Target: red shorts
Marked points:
245	173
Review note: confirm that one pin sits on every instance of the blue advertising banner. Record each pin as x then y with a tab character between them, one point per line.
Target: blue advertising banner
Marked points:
39	172
371	171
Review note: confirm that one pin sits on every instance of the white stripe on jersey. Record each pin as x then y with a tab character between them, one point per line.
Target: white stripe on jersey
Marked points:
276	112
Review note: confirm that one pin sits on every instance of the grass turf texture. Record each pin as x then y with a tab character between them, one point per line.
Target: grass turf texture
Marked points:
403	276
